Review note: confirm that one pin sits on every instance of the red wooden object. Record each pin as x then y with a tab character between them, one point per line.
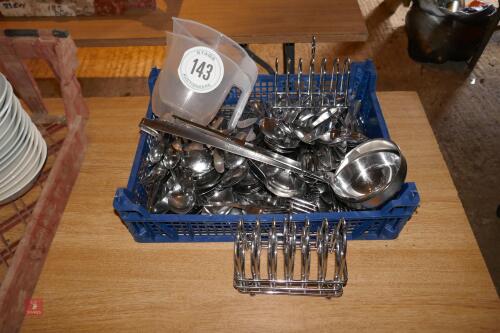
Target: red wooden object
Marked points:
71	8
27	256
119	7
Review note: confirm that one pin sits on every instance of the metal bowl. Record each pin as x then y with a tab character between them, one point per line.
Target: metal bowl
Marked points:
371	179
369	146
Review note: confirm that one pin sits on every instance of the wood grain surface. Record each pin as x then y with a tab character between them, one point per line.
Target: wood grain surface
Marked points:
136	61
96	278
246	21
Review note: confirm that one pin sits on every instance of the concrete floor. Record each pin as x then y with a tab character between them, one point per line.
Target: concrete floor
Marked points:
462	106
464	111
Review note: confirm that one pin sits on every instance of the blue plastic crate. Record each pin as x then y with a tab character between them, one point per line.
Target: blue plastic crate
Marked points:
383	223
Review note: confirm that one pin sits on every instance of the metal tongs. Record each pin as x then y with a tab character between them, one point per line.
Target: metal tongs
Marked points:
205	135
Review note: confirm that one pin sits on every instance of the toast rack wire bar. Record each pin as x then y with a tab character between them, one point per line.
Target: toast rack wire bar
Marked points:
328	239
301	92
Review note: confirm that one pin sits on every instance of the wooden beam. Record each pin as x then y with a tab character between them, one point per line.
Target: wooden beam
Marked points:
246	21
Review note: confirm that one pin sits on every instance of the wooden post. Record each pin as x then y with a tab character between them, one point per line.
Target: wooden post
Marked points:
60	52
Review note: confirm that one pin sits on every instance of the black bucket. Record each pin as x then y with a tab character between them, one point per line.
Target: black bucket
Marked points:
438	35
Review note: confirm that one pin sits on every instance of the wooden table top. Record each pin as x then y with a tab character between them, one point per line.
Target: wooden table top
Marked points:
96	278
246	21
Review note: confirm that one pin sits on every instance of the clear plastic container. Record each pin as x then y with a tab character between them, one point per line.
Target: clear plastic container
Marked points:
200	69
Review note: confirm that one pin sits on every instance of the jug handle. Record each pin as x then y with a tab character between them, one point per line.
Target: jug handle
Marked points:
243	83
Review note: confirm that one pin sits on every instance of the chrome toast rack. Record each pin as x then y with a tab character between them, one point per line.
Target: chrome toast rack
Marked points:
285	244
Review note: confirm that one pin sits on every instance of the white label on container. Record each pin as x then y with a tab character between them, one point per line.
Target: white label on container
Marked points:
201	69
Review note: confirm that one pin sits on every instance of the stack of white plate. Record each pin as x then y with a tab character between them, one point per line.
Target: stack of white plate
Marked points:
22	148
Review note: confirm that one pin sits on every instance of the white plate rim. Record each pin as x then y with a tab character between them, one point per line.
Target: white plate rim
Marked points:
12	128
12	172
4	116
9	91
26	172
3	90
23	137
29	164
28	181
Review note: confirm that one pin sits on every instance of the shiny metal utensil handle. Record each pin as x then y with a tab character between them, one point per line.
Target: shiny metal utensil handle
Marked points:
340	250
289	248
305	249
255	251
322	248
205	135
272	253
239	252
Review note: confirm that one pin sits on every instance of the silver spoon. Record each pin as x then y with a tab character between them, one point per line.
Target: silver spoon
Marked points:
234	175
180	198
198	161
218	160
156	152
171	158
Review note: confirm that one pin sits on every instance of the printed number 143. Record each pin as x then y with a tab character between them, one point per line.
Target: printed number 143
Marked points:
202	68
